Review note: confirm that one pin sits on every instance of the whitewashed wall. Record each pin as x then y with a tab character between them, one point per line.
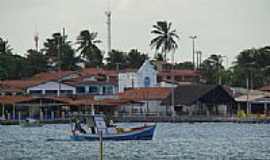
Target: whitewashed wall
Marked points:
153	107
136	79
51	85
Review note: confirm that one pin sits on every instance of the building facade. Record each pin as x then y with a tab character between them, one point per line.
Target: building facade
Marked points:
145	77
51	88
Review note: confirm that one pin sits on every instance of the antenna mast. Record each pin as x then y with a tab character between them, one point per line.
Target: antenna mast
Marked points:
36	38
108	14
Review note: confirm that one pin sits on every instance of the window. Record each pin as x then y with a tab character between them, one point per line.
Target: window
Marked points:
146	82
66	92
80	90
51	92
35	92
93	89
109	90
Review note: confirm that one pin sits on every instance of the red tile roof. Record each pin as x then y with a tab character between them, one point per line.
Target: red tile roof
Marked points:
265	88
49	76
103	102
19	84
96	71
74	101
14	99
140	94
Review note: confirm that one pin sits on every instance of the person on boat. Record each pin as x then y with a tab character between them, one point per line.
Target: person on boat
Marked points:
79	127
91	125
111	124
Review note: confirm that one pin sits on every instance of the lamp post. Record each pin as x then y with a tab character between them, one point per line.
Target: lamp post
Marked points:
199	59
193	49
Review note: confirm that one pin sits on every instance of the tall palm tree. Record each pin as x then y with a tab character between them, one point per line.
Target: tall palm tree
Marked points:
88	49
5	47
166	38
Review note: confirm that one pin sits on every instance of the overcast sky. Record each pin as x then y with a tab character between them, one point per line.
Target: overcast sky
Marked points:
223	26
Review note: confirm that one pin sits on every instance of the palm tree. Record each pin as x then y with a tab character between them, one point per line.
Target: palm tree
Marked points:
164	42
166	39
88	49
5	47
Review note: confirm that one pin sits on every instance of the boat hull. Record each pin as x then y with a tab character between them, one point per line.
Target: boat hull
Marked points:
145	133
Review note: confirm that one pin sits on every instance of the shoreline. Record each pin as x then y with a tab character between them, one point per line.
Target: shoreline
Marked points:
155	120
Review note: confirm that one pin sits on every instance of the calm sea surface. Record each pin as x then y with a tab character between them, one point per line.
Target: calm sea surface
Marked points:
172	141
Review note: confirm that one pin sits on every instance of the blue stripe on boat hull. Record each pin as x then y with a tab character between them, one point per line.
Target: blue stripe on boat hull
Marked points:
146	134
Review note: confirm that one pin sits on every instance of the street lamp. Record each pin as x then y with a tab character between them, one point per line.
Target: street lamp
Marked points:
199	59
193	49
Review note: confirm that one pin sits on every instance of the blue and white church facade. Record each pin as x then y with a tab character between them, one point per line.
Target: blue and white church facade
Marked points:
145	77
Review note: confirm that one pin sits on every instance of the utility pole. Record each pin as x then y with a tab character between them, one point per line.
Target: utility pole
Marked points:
193	49
248	106
108	13
61	42
173	83
199	56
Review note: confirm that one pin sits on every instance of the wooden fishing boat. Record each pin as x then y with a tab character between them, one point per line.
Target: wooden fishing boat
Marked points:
91	133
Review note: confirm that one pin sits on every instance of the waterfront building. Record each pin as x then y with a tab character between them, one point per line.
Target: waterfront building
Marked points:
254	102
51	88
148	102
165	73
55	107
198	99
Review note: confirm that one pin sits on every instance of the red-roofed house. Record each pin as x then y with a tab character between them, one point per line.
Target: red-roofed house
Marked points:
150	99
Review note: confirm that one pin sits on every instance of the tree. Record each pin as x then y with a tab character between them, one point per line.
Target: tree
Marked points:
166	38
88	49
135	58
212	69
158	57
69	60
252	66
37	61
184	65
3	73
11	66
60	53
4	47
116	58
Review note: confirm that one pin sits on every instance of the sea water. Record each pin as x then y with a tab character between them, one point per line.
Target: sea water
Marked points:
172	141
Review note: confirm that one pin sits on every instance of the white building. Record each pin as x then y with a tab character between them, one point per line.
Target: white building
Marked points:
51	88
147	101
145	77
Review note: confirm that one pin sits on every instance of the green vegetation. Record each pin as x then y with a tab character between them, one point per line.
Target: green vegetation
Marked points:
133	59
57	52
165	40
88	49
251	65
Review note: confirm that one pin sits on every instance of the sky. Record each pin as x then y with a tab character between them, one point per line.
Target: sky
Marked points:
223	27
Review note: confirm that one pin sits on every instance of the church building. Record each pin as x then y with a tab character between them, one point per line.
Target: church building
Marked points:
145	77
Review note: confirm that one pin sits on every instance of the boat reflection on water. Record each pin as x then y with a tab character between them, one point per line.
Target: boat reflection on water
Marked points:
89	127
